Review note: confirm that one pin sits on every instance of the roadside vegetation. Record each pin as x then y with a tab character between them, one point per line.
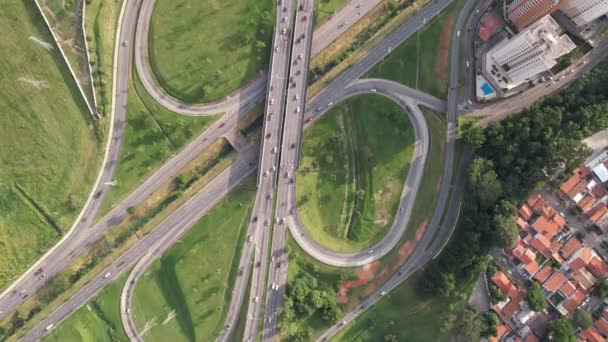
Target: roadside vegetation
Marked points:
214	48
324	9
96	321
422	61
123	235
354	164
50	155
100	23
66	18
152	135
185	294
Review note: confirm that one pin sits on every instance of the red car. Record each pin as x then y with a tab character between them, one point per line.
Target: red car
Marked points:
222	125
304	18
309	119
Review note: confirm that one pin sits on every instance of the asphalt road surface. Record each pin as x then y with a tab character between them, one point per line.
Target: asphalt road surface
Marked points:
167	232
428	247
290	147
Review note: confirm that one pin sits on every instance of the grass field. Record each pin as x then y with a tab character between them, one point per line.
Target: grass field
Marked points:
97	321
422	61
194	278
325	8
49	156
404	314
65	17
214	48
152	134
354	164
100	24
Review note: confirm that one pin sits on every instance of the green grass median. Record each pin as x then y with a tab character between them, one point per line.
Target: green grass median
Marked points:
354	164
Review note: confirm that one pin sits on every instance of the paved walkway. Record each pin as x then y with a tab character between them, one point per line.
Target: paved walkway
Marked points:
480	298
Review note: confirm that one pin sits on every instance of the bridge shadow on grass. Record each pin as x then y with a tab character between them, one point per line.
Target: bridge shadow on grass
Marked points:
172	291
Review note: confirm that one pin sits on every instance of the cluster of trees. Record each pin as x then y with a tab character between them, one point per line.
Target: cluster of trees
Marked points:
536	300
511	159
305	297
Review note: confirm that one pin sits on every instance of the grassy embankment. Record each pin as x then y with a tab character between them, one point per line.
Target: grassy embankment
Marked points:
50	154
214	48
97	321
65	16
354	164
324	9
189	289
365	279
422	61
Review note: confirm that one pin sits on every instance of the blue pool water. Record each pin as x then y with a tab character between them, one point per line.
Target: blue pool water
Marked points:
486	89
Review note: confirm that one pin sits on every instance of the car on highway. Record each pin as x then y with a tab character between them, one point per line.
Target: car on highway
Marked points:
268	135
309	119
250	238
49	327
373	90
265	173
370	251
269	196
271	101
382	293
106	276
256	299
125	43
222	125
292	146
297	109
468	64
458	33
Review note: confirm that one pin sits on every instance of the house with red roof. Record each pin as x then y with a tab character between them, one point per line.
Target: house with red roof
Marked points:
542	245
601	325
571	304
571	246
598	267
555	282
544	274
545	227
591	335
525	211
579	259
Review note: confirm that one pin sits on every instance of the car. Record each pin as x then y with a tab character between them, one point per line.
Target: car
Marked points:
265	173
274	150
282	220
49	327
304	18
561	213
382	293
279	264
319	109
300	56
373	90
469	102
298	72
287	174
269	319
106	276
343	323
97	194
400	272
309	119
255	219
222	124
268	135
256	299
330	103
284	30
273	168
370	251
266	222
296	97
125	43
269	196
270	116
297	109
477	10
276	49
292	146
458	33
402	209
272	101
468	64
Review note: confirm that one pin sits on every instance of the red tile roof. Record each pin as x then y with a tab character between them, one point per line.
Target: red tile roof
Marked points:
598	267
542	245
591	335
533	199
599	191
532	268
523	225
504	284
543	208
545	227
579	187
525	211
531	338
572	304
500	331
580	258
595	214
570	183
554	283
587	202
585	279
567	289
559	220
527	256
571	246
602	326
543	274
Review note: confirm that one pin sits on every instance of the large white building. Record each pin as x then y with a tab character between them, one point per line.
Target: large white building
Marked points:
582	12
534	50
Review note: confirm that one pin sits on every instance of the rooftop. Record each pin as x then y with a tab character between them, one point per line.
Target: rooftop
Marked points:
571	246
543	274
555	282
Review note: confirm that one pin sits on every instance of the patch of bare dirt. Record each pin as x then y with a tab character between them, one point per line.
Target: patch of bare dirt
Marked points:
364	275
441	66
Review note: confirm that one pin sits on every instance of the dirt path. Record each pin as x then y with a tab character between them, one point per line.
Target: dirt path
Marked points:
442	64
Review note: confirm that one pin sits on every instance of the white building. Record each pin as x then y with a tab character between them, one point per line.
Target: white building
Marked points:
534	50
582	12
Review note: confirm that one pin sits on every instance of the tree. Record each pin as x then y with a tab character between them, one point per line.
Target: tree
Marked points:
561	330
73	202
390	338
181	181
582	319
505	231
206	89
329	159
468	325
131	210
472	134
536	300
489	321
260	45
601	289
484	182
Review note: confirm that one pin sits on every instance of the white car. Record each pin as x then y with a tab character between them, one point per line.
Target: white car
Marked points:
468	64
272	101
297	109
50	326
107	275
373	90
458	33
382	293
256	299
250	238
125	43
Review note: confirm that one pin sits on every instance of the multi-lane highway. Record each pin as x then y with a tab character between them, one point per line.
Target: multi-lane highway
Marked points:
428	247
82	234
262	220
288	166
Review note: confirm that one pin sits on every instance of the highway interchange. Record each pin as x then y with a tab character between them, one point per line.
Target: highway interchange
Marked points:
235	105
